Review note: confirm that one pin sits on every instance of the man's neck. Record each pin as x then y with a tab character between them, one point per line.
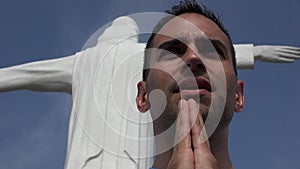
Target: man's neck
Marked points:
219	147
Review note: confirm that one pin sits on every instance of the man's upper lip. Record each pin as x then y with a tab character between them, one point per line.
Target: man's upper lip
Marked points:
194	84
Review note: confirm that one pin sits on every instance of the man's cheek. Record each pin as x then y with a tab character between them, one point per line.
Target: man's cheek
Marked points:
156	79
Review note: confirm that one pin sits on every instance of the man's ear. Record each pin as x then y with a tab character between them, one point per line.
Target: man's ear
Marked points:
142	101
239	96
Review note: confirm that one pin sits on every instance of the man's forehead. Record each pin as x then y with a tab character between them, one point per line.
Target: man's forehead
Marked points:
188	27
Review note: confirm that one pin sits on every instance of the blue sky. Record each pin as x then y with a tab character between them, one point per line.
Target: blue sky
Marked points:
33	125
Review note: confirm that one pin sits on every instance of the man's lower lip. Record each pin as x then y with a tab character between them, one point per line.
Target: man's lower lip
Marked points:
193	93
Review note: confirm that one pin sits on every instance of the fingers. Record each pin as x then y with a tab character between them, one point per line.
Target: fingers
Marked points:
284	59
202	152
182	134
182	155
193	151
290	48
279	47
289	53
198	132
190	130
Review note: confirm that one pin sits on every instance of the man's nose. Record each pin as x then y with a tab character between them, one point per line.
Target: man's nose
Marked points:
194	62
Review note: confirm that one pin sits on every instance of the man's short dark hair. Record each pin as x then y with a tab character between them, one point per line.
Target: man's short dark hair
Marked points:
186	6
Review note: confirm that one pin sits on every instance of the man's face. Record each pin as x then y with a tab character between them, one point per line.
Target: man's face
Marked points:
185	64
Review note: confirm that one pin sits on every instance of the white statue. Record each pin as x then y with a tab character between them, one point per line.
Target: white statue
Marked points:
88	75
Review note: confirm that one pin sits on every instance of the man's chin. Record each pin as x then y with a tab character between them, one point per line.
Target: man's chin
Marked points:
204	110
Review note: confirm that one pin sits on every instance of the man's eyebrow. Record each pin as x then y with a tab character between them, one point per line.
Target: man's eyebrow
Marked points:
183	40
172	42
218	44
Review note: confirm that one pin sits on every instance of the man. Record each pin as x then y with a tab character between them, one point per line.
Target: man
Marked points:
175	48
77	74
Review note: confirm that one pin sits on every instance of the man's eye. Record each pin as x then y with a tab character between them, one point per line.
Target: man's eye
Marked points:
220	52
206	50
167	55
179	51
209	51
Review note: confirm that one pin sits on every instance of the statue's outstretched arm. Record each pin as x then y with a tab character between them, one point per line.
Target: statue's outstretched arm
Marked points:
280	54
246	54
48	75
56	75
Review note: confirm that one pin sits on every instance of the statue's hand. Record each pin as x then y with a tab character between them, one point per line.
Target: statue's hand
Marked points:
280	54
